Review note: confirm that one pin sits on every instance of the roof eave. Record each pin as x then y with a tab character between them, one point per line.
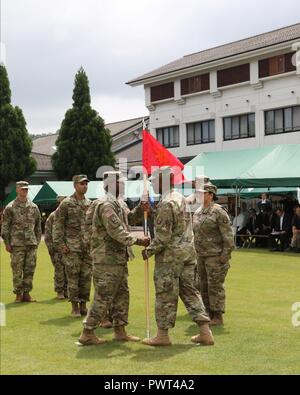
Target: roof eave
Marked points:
213	64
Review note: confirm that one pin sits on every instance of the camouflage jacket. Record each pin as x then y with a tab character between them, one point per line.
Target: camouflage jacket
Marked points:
110	235
48	237
173	239
212	231
69	224
131	218
21	224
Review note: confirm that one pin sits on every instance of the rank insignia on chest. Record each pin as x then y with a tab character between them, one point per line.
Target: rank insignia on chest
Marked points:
159	221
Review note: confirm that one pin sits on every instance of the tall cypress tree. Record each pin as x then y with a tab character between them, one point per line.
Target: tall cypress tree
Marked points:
15	143
83	144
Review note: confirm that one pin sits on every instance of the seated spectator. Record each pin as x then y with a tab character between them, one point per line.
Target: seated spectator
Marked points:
239	226
281	230
265	219
264	205
255	226
245	211
295	243
288	204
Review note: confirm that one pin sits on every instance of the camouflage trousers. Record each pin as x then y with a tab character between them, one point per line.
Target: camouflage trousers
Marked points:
171	283
295	243
60	275
78	268
111	294
212	274
23	264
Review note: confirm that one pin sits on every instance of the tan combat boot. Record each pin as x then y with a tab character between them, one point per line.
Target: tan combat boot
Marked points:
60	296
88	338
217	319
106	324
161	339
19	298
83	309
205	336
121	335
28	298
75	310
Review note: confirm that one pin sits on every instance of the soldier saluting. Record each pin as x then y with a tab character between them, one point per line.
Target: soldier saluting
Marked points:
21	232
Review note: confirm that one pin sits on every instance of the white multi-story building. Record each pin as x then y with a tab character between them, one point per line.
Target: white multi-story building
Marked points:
244	94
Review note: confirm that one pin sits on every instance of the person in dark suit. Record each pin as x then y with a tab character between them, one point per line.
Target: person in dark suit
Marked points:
281	230
288	204
265	204
255	225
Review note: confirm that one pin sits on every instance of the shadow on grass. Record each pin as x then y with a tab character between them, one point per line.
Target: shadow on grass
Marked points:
154	354
113	349
23	304
53	301
61	321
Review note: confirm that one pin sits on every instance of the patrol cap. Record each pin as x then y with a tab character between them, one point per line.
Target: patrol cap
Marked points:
208	187
163	170
80	178
22	184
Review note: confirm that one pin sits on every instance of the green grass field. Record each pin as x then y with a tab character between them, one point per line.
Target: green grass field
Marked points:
258	336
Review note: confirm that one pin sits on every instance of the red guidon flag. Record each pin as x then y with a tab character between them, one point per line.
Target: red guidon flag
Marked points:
156	155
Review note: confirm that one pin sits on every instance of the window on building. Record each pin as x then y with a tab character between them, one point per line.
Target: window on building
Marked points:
282	120
276	65
239	127
169	136
233	75
200	132
195	84
161	92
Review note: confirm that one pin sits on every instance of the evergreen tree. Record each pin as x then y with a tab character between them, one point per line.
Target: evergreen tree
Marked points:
15	143
83	143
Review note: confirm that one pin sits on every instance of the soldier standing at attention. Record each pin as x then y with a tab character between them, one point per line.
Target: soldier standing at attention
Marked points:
109	242
175	261
60	275
68	234
21	232
214	241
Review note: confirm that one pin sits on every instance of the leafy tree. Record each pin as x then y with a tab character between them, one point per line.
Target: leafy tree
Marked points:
83	143
15	143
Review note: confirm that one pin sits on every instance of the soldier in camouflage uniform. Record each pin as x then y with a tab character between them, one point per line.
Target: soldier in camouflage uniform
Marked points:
21	232
214	241
175	260
131	217
60	275
109	247
68	238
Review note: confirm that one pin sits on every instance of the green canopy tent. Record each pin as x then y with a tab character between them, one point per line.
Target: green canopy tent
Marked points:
32	192
271	166
51	189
